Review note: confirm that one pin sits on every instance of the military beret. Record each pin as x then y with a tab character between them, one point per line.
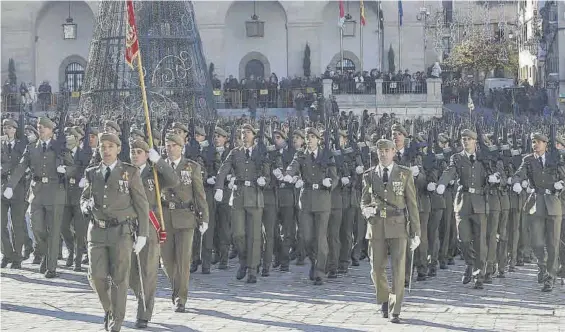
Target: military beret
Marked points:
420	137
71	131
136	131
175	139
487	139
139	144
247	126
71	142
342	132
374	138
10	122
385	144
94	131
313	131
32	128
79	131
46	122
300	133
178	125
539	137
199	131
156	135
443	138
280	132
469	133
112	124
398	127
560	140
110	137
220	131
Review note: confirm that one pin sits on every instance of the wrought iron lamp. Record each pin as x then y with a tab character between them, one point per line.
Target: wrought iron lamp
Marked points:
255	28
69	27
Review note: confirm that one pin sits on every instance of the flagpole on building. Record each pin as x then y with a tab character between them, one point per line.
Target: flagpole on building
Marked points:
361	45
341	47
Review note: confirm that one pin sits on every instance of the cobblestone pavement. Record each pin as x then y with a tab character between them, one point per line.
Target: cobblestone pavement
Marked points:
288	302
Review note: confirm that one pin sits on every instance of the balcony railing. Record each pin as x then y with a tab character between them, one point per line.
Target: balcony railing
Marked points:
261	98
401	87
15	102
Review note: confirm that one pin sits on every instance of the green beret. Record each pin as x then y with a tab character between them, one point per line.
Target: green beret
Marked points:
199	131
221	132
247	126
94	131
79	131
136	131
139	144
539	137
469	133
398	127
111	138
113	124
443	138
342	132
385	144
300	133
175	139
71	131
71	142
560	140
33	129
280	132
10	122
313	131
178	125
46	122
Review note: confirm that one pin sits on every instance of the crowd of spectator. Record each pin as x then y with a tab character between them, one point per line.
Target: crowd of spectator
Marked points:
25	97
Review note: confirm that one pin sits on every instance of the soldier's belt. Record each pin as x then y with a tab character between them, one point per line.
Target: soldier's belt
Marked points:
478	191
110	223
178	206
43	179
390	212
315	186
546	191
245	183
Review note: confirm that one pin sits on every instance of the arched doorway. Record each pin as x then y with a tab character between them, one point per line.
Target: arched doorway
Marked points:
74	74
254	67
348	65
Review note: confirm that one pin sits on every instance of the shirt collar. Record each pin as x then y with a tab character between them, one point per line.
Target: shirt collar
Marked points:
381	168
176	162
141	168
469	154
111	166
74	150
46	142
315	152
542	157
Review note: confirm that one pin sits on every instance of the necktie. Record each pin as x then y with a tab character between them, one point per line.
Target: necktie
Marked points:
398	156
540	161
107	175
10	148
44	146
385	175
472	158
313	156
247	154
173	164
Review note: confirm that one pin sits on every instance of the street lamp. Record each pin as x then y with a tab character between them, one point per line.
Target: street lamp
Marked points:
255	28
69	28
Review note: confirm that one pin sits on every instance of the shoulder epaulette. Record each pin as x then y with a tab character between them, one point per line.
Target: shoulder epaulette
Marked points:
404	167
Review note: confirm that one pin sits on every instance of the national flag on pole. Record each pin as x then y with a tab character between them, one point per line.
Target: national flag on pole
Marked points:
362	12
400	12
341	20
132	43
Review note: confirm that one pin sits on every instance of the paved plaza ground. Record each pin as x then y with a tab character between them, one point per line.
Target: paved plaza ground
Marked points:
289	302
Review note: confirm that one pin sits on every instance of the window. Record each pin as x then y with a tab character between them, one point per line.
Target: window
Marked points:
348	65
254	67
447	11
73	76
446	44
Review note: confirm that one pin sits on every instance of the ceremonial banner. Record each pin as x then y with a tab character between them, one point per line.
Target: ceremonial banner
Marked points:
341	19
362	12
132	43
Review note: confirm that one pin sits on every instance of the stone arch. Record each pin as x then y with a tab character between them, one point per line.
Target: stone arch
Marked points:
346	55
67	61
284	5
254	56
44	7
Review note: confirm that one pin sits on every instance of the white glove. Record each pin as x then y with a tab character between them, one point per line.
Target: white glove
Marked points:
414	242
492	178
287	178
87	205
440	189
277	173
497	177
432	186
82	183
529	190
517	188
219	195
261	181
61	169
345	180
203	227
327	182
211	180
295	178
415	170
299	183
525	184
154	156
228	177
452	182
139	244
368	212
558	185
8	193
509	180
359	169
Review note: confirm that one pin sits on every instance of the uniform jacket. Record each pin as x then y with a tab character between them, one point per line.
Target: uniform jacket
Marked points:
9	163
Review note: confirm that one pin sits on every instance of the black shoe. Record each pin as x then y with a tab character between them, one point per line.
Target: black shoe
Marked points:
215	259
547	285
70	259
300	261
85	260
432	271
43	266
468	276
342	270
527	259
395	319
318	281
265	273
384	310
511	269
251	279
450	261
488	278
36	259
363	255
193	267
180	307
233	254
520	263
541	276
292	255
4	262
205	270
276	263
332	274
442	266
478	285
355	262
284	268
27	253
561	272
421	277
223	266
106	320
406	283
312	272
501	275
141	324
241	272
77	268
16	265
51	274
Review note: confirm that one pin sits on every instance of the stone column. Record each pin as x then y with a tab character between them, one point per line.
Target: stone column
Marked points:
434	90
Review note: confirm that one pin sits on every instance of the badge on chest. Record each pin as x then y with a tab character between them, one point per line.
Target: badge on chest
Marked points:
123	183
150	185
186	175
398	188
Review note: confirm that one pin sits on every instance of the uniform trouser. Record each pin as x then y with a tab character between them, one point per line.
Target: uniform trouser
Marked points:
525	244
492	229
562	245
72	215
149	259
176	254
546	231
502	254
268	232
287	219
334	244
196	245
111	259
471	231
433	235
346	237
12	247
300	246
421	253
246	228
314	227
208	237
446	227
514	218
378	249
359	231
223	229
46	225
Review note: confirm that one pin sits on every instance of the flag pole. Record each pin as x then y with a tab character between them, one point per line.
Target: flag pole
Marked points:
361	44
341	46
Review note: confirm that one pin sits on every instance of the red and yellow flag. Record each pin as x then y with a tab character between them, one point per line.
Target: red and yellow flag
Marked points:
362	12
132	43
